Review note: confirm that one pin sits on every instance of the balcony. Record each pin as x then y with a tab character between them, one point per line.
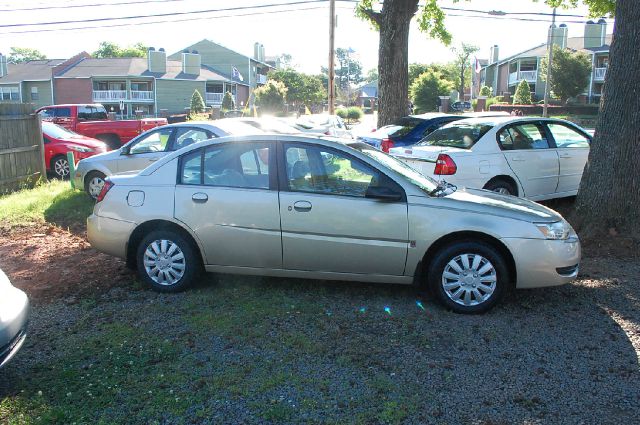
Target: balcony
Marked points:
216	98
109	95
528	76
141	95
599	74
261	79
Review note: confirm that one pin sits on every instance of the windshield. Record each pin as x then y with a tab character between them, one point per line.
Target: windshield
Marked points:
456	135
423	182
57	132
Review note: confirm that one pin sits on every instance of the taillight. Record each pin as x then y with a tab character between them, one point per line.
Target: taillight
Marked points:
105	188
386	145
445	165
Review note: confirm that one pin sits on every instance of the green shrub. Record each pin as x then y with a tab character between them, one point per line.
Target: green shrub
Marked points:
354	113
426	89
342	113
523	94
271	97
197	103
486	91
227	102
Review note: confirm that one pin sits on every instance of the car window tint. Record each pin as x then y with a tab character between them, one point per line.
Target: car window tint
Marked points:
91	113
62	112
155	141
457	135
313	169
186	136
523	136
406	124
244	165
191	168
567	137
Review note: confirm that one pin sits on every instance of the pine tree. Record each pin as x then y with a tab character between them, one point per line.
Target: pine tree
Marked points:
227	102
523	94
197	104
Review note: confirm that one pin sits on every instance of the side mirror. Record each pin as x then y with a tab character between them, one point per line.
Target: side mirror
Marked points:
383	193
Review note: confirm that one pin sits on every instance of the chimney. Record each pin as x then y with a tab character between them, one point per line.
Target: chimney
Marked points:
3	66
559	35
256	51
261	53
493	54
191	62
595	34
157	60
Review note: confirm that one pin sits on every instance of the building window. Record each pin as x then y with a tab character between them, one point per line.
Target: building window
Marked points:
10	93
34	93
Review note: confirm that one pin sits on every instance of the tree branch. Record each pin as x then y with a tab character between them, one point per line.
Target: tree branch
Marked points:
372	15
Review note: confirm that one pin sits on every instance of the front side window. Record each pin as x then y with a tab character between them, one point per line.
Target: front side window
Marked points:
156	141
186	136
319	170
91	113
522	137
241	165
567	137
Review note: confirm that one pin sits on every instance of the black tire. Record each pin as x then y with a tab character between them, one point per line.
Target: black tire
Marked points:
111	140
190	263
500	186
90	186
453	253
60	167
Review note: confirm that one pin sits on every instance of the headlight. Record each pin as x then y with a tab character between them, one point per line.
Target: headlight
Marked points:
560	230
80	148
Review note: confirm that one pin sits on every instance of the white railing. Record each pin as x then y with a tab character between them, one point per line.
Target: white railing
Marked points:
261	79
109	95
213	98
141	95
600	73
528	76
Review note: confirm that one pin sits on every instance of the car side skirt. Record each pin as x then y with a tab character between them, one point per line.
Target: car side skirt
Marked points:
304	274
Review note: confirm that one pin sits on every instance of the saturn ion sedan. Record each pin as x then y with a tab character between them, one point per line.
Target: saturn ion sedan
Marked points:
14	315
315	207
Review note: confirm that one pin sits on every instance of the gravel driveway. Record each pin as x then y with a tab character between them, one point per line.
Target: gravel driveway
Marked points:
261	350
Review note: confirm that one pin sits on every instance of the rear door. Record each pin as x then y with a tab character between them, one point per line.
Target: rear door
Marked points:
531	157
328	225
227	194
573	151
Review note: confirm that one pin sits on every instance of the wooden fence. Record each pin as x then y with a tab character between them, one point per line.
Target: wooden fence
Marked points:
21	147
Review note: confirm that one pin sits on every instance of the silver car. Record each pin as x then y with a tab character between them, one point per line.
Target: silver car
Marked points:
14	315
149	147
302	206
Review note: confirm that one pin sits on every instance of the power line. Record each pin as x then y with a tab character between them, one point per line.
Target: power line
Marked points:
72	6
503	18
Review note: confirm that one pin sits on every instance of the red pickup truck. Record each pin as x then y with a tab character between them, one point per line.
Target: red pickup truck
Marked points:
92	120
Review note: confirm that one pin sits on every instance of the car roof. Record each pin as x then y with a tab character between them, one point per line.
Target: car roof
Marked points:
503	120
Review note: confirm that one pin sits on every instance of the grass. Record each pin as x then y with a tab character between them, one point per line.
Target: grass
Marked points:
53	202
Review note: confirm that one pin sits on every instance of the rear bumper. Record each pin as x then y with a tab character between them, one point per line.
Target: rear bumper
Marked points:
109	235
541	262
14	315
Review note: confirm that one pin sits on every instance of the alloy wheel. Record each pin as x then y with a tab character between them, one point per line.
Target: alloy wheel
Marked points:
164	262
469	279
95	186
61	167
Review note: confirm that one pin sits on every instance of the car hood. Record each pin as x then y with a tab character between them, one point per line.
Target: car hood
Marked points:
85	141
488	202
111	155
427	153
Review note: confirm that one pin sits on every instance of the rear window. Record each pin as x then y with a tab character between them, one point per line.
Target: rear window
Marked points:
405	125
462	136
92	113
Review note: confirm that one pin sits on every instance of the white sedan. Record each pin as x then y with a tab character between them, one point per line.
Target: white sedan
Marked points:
531	157
329	125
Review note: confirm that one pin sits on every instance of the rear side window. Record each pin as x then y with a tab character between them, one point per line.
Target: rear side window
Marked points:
462	136
406	124
567	137
91	113
522	137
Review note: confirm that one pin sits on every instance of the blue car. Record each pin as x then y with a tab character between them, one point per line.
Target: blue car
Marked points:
410	130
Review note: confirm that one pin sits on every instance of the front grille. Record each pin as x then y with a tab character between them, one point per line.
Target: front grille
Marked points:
567	271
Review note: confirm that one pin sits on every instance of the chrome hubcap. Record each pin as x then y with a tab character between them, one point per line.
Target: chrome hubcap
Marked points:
95	186
469	279
61	167
164	262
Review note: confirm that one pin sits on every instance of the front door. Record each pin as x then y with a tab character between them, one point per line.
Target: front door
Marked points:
145	150
328	225
573	152
531	158
227	195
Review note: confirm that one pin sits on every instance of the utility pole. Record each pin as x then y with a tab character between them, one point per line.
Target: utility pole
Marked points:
332	74
547	83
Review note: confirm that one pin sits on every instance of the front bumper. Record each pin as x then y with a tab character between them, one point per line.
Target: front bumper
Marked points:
541	262
14	316
109	235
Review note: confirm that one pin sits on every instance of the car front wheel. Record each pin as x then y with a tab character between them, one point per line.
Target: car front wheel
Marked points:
468	277
60	167
166	261
93	184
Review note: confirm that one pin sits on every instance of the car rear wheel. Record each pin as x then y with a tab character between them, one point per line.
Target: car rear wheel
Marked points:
501	186
93	184
60	166
468	277
166	261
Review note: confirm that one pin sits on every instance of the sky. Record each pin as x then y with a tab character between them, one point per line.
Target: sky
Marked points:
298	29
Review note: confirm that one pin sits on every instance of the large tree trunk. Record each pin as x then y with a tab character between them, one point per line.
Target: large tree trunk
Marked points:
609	195
393	62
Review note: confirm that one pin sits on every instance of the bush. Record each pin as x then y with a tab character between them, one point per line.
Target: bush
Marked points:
354	113
227	102
486	91
426	89
523	94
342	113
271	97
197	103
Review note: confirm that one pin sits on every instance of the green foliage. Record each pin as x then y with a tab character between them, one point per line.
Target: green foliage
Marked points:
486	91
448	71
463	54
197	103
523	94
301	88
227	102
597	8
24	54
426	89
352	113
108	49
570	73
271	97
371	75
342	113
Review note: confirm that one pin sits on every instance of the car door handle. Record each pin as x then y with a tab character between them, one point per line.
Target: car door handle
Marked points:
565	155
199	197
153	159
517	158
302	206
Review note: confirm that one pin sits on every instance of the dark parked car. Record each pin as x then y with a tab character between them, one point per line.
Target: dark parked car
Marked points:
410	130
